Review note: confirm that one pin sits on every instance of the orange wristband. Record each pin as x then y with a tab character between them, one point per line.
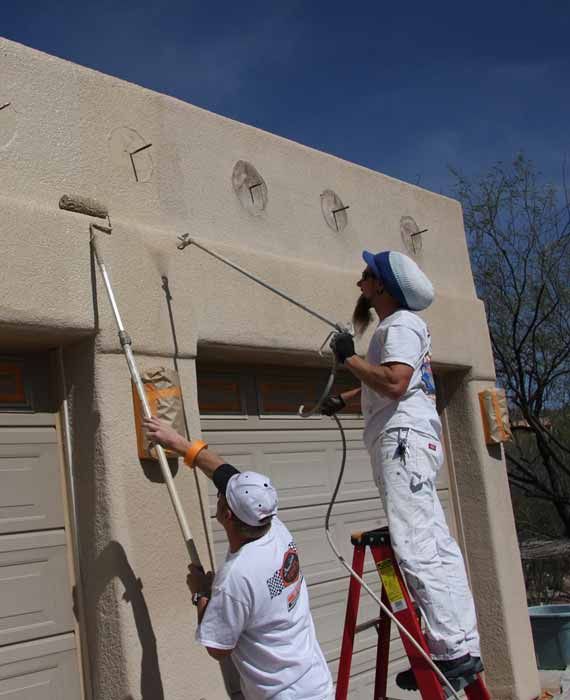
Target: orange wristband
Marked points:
196	446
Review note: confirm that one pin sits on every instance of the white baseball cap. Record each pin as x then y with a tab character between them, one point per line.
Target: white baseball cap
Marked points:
252	498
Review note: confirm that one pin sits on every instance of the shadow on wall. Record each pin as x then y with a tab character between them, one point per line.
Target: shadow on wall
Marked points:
112	563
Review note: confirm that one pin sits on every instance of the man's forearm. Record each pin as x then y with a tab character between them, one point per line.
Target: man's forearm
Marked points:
208	461
382	379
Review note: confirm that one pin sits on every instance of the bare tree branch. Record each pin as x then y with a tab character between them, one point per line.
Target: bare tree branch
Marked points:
518	230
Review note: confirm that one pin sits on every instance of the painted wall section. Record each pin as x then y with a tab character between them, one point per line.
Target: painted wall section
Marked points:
164	168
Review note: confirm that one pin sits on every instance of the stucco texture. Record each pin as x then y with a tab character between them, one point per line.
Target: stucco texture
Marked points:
140	619
163	168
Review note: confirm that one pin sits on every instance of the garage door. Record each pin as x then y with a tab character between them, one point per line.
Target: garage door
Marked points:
38	657
249	416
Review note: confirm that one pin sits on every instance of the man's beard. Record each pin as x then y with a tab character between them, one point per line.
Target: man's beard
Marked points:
362	315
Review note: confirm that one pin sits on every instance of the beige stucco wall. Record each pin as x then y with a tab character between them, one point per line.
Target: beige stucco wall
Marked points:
58	135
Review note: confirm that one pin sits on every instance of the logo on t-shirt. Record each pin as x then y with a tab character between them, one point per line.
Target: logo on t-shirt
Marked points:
293	596
427	382
288	574
290	568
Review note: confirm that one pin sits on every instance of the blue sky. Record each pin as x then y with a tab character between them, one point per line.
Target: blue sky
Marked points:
404	88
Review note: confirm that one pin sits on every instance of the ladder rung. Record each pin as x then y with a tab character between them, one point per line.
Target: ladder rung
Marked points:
367	625
371	537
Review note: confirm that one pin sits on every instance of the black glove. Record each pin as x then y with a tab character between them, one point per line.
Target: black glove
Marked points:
332	404
342	344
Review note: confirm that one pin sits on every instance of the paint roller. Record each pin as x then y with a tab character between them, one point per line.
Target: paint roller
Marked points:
90	207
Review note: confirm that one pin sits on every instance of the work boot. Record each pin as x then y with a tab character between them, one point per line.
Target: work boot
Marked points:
454	669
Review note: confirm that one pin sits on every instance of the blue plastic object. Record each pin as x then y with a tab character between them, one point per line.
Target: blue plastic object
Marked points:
551	633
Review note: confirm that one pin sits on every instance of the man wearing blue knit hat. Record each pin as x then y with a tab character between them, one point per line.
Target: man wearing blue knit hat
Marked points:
403	436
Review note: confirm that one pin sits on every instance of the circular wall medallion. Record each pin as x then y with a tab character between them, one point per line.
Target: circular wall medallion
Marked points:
334	211
8	122
249	187
411	235
132	153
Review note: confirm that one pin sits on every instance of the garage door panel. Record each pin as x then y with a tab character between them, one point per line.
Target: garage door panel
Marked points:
40	670
299	472
299	475
30	497
34	685
35	596
303	472
14	435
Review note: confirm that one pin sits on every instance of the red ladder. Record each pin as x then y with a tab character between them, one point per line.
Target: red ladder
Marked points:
395	595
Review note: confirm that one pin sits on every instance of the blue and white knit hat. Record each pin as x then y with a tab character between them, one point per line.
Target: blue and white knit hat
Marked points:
402	278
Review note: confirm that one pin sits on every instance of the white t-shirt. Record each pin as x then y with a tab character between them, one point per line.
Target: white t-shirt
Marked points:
260	608
401	337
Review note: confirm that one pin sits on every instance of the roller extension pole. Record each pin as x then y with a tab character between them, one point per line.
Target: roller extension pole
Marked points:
125	341
186	240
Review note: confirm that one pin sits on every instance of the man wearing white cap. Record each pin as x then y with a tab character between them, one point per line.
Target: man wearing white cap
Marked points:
403	436
256	608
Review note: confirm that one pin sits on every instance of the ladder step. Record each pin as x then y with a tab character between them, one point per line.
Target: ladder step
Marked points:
363	626
380	536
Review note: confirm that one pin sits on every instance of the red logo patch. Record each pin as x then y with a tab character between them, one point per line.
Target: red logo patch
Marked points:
290	568
432	446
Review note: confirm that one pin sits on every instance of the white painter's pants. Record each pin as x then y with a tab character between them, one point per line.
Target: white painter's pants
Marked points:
405	465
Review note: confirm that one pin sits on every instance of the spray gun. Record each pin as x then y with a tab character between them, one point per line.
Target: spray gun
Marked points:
186	240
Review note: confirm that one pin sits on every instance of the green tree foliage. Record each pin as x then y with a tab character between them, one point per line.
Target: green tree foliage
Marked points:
518	230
